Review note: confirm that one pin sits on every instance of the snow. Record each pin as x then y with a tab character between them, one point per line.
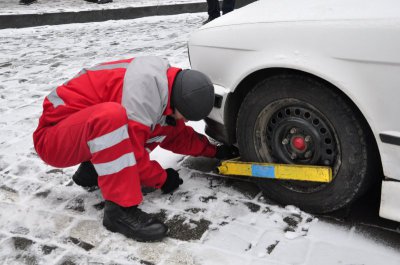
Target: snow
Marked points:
46	219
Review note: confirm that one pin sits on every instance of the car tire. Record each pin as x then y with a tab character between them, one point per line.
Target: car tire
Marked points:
295	119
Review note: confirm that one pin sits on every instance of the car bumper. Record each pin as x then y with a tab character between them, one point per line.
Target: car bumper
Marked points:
215	126
217	113
216	130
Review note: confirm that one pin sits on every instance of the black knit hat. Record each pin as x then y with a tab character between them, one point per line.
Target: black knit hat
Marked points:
193	94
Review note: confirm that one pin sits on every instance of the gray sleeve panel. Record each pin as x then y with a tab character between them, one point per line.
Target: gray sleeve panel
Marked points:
145	90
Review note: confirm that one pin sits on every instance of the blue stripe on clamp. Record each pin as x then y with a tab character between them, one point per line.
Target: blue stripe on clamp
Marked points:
263	171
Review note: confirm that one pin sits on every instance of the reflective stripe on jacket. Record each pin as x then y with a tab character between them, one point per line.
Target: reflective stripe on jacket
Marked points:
143	86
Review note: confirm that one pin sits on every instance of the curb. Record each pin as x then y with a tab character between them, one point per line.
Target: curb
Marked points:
33	20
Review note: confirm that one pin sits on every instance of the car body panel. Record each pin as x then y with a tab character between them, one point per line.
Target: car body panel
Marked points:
351	44
273	11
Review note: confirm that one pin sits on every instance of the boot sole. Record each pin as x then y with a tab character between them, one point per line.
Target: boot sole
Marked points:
155	238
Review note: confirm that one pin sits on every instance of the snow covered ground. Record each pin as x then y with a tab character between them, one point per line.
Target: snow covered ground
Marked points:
46	219
55	6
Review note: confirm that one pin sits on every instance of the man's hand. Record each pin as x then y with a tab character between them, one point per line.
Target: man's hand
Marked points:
226	152
172	182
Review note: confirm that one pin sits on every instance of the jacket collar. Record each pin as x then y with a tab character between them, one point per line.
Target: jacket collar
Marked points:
171	75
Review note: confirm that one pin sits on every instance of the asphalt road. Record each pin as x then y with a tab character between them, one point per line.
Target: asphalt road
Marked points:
362	215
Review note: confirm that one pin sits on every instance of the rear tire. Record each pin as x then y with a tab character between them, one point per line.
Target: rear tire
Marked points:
295	119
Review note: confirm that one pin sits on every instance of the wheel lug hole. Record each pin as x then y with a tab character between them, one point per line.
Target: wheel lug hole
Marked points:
293	130
308	154
307	138
285	141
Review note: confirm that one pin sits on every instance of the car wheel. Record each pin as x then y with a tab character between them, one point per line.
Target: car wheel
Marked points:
295	119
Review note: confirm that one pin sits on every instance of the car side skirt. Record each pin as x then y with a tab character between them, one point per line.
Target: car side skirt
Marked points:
390	206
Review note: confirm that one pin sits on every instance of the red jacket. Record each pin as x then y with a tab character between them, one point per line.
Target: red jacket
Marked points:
145	93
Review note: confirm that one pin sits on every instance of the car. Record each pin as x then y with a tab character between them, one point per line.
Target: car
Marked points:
309	82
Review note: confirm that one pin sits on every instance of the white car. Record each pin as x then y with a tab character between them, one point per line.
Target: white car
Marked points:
310	82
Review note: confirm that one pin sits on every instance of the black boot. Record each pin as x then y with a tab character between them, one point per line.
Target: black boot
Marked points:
104	1
86	176
133	223
99	1
209	19
26	2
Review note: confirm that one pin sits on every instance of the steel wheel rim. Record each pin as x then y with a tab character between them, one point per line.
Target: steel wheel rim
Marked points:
294	132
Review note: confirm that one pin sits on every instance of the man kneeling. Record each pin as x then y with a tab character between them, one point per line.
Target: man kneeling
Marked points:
109	117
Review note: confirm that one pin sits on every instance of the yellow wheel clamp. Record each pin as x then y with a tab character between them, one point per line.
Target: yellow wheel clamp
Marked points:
276	171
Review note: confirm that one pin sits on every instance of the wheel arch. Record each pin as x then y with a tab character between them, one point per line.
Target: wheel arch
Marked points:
235	99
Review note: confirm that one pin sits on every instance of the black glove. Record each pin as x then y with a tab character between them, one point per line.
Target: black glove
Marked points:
226	152
173	181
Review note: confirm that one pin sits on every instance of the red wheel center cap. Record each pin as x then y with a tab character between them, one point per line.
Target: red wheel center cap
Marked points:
299	143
